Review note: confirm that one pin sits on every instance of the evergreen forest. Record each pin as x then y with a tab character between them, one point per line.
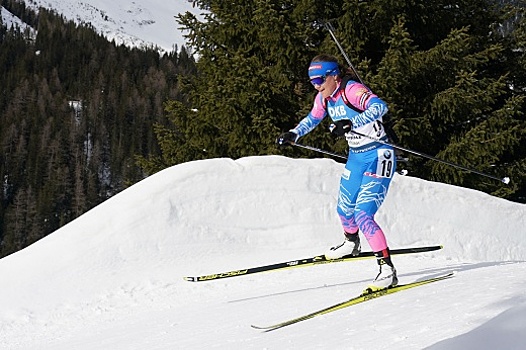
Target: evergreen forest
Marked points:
75	109
452	72
83	118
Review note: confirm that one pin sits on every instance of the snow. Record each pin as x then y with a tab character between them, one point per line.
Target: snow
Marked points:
132	23
113	278
9	20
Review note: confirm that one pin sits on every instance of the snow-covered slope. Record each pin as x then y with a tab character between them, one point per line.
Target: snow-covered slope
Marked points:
112	279
9	20
133	23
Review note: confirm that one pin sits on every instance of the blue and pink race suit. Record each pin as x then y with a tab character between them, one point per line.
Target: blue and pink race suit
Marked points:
370	165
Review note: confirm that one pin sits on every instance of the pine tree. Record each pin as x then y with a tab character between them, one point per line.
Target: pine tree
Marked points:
448	88
463	110
68	160
251	79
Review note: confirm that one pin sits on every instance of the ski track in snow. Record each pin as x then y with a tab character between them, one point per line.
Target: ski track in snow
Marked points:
112	279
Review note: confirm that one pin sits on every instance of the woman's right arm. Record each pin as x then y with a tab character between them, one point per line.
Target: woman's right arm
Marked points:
312	119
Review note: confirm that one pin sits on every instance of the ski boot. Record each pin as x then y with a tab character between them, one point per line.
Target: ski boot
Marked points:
350	246
387	276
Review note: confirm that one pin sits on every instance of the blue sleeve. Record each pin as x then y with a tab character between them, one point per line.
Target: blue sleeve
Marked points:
306	125
376	108
315	116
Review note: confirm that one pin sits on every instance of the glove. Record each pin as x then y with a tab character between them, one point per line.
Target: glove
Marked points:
341	127
286	138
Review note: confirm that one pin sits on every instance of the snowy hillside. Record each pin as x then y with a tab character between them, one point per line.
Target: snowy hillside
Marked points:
133	23
113	278
9	20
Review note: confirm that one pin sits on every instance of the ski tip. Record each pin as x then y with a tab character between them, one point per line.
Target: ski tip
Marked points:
259	327
266	329
447	275
190	279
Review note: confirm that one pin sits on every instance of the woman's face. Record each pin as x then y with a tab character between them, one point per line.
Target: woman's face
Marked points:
328	86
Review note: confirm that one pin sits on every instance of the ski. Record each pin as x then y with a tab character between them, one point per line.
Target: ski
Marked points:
367	295
316	260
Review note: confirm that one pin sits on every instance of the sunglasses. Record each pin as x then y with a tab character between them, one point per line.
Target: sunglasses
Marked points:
321	79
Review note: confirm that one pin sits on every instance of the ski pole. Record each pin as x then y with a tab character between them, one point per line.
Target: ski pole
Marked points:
330	29
401	172
318	150
505	180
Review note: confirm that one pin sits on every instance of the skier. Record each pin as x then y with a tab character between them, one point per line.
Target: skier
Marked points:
370	165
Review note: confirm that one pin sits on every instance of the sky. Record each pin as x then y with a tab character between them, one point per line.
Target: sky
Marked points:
113	278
